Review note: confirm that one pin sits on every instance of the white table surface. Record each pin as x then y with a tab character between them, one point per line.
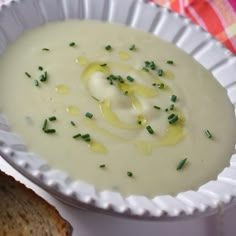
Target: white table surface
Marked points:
87	223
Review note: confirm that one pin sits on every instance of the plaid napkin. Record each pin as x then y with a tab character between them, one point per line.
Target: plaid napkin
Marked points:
218	17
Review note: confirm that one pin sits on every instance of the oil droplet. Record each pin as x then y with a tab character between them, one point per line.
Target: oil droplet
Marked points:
72	110
168	74
123	55
62	89
97	147
144	147
81	61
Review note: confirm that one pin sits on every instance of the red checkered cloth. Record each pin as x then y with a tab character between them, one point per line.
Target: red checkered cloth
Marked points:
216	16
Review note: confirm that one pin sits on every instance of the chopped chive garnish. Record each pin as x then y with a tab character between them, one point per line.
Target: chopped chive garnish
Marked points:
208	133
36	83
27	74
103	64
108	47
152	65
173	119
147	63
160	72
166	110
157	107
50	131
46	49
72	44
89	115
102	166
43	77
172	106
171	116
95	98
85	136
181	164
52	118
154	84
130	78
173	98
72	123
77	136
40	68
160	86
139	122
129	173
120	79
126	93
45	124
132	47
170	62
145	69
149	129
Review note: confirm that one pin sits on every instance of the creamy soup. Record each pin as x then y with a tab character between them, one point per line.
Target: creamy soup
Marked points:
116	108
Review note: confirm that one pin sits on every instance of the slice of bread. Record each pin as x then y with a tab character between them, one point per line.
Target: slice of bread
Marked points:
24	213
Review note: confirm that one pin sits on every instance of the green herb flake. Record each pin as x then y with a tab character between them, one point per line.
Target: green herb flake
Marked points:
102	166
160	72
145	69
43	77
126	92
152	65
166	110
160	86
72	123
130	78
89	115
172	106
50	131
181	164
72	44
132	47
52	118
45	124
173	98
76	136
95	98
120	79
40	68
170	62
27	74
173	118
149	129
158	108
46	49
86	137
130	174
208	133
103	65
36	83
108	48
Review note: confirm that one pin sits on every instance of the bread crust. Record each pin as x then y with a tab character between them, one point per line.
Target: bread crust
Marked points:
23	212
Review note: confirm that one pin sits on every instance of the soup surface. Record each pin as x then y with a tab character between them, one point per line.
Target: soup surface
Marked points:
116	108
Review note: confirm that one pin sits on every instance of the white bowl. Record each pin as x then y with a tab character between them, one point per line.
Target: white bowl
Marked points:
20	15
